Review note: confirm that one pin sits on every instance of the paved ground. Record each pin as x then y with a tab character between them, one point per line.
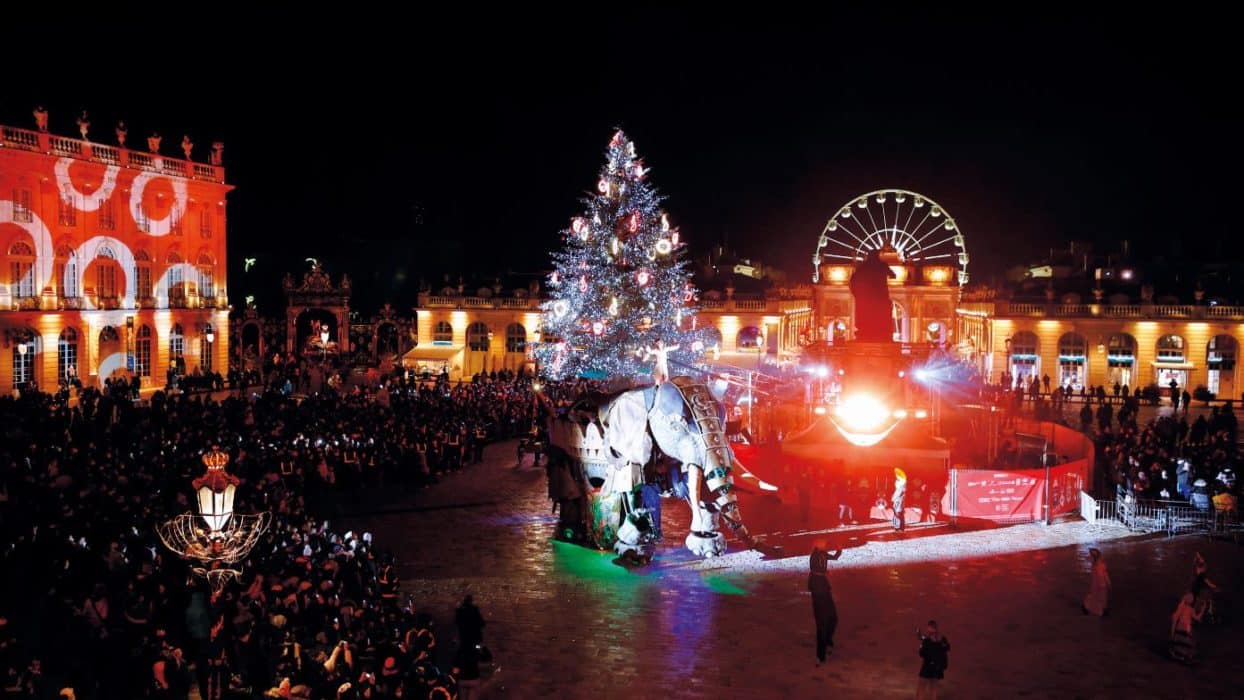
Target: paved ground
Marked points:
567	622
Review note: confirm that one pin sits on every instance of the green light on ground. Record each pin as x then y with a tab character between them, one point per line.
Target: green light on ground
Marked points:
721	585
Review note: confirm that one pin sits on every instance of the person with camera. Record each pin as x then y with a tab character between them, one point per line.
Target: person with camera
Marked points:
934	659
823	610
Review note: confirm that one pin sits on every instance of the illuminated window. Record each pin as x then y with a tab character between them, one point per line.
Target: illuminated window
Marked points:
750	337
477	336
67	354
207	285
443	333
66	212
142	352
205	222
175	281
142	275
176	342
107	217
25	357
66	272
21	206
21	270
1072	360
106	274
1170	349
515	338
205	349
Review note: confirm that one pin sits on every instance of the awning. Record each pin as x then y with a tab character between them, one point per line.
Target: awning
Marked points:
431	353
1173	365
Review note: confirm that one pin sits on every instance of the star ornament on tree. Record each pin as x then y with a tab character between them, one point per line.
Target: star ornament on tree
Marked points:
628	283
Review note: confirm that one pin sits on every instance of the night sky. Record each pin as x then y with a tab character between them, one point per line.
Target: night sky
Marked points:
399	149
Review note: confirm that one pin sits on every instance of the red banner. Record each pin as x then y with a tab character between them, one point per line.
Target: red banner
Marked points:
1017	494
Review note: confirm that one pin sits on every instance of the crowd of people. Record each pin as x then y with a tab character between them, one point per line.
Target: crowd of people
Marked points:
94	605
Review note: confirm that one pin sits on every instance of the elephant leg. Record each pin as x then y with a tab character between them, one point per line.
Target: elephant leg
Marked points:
704	540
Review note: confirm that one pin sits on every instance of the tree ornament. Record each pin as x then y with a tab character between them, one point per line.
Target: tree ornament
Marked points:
633	222
554	279
642	277
674	239
665	222
613	306
560	308
598	327
630	149
614	247
583	283
617	139
603	186
664	246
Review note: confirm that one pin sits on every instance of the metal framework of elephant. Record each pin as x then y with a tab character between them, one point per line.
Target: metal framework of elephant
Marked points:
614	443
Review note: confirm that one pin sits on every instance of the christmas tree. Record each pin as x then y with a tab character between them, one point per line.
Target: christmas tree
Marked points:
621	298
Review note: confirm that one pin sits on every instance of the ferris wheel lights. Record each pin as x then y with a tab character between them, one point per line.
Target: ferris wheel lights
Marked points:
959	242
832	225
900	198
881	198
936	212
949	225
845	213
919	202
862	203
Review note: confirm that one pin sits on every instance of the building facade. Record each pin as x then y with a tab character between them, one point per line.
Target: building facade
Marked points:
114	260
1101	344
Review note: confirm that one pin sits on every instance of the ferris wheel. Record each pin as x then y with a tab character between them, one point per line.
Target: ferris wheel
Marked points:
912	225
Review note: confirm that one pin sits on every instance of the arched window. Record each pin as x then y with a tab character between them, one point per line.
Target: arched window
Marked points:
176	343
67	273
142	275
142	352
1072	360
1220	359
21	271
1170	348
443	333
26	347
712	338
1121	360
176	281
106	274
1025	357
515	338
477	336
207	285
750	337
67	355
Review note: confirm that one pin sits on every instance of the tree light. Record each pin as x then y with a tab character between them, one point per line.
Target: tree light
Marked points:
664	246
642	277
598	327
560	307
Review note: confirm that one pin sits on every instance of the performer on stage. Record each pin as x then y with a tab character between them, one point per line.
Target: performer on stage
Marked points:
660	367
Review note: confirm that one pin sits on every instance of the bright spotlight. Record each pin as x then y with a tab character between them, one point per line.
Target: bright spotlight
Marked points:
922	413
900	414
862	412
819	410
822	371
901	374
922	375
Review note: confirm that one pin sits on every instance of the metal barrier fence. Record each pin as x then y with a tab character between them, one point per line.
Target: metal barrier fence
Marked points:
1166	516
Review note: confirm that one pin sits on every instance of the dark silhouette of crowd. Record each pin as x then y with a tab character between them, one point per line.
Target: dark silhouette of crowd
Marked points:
92	601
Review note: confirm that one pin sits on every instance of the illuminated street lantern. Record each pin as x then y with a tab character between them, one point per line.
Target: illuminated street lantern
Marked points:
216	539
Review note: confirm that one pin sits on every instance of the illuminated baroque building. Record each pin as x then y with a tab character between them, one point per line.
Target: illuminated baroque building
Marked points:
114	260
1099	322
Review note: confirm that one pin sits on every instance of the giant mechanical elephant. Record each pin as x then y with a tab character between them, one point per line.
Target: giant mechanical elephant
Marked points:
613	454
